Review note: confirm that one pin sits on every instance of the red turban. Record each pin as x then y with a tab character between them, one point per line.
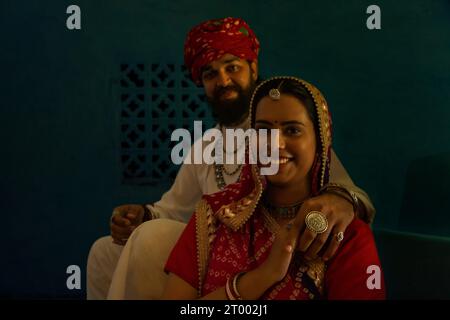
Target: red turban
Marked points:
212	39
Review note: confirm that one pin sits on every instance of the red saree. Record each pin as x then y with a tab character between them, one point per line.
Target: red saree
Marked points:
230	232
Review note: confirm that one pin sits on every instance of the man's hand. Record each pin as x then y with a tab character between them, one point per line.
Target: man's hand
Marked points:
124	220
339	213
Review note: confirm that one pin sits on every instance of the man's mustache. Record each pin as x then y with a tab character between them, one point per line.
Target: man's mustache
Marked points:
222	90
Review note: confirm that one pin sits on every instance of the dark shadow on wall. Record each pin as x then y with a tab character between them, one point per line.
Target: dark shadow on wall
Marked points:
416	259
415	266
426	206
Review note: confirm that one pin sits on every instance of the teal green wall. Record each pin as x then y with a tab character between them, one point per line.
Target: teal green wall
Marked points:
388	91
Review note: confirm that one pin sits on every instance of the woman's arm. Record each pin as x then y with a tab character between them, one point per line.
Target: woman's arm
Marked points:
178	289
251	286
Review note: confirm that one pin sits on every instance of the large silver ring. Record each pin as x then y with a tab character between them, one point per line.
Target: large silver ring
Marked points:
316	222
339	236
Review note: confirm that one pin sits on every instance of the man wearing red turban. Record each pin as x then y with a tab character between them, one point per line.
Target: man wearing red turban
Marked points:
212	39
222	55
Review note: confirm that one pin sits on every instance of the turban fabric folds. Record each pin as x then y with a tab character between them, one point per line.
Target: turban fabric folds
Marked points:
212	39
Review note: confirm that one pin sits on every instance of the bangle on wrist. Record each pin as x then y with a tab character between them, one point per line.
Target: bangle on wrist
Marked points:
147	213
231	287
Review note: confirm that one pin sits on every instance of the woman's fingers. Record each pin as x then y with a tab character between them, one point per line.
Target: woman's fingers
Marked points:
335	240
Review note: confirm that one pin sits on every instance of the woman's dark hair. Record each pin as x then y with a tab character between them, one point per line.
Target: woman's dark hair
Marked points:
286	86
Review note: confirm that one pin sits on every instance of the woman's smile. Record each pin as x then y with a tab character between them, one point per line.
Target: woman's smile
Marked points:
282	160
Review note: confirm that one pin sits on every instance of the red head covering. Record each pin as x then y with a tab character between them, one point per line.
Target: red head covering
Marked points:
212	39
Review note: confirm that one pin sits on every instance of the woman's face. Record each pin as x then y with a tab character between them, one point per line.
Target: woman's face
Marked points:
297	138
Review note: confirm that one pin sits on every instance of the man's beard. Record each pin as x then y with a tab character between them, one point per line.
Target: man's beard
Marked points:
231	112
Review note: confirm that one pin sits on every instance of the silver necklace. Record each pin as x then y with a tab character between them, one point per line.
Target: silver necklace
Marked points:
219	170
219	176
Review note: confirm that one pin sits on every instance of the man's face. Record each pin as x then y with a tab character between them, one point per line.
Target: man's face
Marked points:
229	83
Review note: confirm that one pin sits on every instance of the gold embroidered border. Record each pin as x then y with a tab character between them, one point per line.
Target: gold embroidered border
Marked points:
324	124
205	233
236	214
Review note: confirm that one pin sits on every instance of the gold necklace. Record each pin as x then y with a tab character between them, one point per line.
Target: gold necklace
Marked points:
285	212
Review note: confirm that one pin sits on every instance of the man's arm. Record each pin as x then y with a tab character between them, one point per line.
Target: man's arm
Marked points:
339	201
179	202
190	184
339	176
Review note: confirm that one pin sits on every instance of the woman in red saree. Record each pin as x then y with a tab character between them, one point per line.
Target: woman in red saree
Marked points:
241	243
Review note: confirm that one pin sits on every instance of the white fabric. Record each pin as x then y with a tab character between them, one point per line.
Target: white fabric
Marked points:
192	181
140	270
102	261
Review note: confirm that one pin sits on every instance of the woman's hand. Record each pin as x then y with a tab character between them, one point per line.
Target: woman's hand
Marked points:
280	256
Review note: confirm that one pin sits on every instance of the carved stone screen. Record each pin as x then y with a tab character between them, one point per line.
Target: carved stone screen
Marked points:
155	99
